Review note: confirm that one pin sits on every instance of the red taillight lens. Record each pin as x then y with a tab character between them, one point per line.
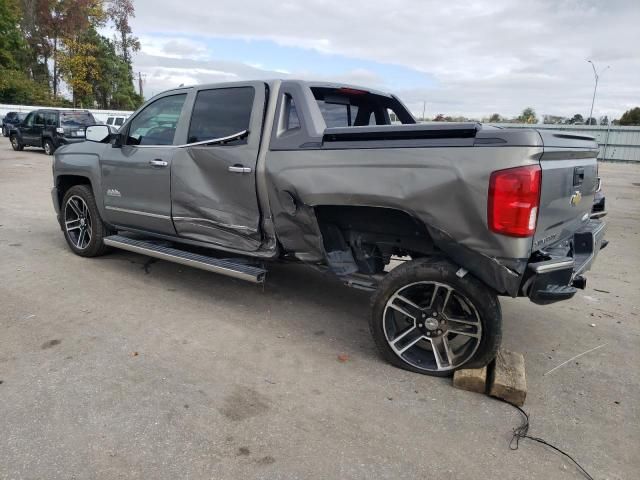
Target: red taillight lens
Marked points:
514	197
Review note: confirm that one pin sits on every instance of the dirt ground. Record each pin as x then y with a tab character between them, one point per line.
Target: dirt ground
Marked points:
113	370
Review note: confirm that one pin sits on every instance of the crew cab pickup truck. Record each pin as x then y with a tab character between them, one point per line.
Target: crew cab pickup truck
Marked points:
436	220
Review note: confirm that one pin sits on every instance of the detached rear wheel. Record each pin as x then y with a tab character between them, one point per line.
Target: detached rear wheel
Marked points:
83	228
428	320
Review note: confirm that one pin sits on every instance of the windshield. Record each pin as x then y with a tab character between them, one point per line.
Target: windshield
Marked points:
76	119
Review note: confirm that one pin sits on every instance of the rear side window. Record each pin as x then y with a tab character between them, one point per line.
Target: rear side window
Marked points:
349	107
50	119
76	119
221	112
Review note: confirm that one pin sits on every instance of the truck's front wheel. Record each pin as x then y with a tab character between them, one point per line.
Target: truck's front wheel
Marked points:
429	320
83	228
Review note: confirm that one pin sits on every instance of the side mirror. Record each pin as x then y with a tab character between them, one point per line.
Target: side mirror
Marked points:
97	133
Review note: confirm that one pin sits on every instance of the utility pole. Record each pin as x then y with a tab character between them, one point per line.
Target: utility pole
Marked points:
140	84
424	107
597	77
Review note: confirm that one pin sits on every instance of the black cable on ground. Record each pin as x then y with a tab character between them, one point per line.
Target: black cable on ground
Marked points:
523	432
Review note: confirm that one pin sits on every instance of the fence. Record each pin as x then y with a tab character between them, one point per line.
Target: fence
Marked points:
621	144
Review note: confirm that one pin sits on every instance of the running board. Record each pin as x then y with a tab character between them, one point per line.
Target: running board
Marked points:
211	264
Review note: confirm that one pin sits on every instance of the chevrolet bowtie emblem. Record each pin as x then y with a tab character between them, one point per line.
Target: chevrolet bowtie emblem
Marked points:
575	199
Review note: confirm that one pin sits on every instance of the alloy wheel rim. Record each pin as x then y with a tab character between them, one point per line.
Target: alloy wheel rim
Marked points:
47	148
77	221
432	326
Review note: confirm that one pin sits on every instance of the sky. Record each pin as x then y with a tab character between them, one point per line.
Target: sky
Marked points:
469	58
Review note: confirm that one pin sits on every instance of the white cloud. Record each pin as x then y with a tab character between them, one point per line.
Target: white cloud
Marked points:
485	56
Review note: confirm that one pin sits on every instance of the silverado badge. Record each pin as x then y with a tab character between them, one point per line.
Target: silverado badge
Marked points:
575	198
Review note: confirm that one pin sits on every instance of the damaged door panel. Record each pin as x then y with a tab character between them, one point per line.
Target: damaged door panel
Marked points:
213	187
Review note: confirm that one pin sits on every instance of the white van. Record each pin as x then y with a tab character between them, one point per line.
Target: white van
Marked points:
116	121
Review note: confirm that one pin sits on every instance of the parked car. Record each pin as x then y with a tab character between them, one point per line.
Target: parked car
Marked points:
10	120
316	173
116	121
50	128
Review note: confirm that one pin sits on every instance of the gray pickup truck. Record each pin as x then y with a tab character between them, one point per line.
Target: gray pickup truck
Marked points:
229	177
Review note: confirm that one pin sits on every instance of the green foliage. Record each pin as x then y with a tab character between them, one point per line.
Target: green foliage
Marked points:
631	117
12	46
577	118
528	115
36	35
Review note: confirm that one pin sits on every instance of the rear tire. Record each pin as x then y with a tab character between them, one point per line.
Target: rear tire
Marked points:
48	147
428	320
82	225
16	144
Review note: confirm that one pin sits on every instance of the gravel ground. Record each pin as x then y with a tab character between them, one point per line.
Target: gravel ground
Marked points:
110	370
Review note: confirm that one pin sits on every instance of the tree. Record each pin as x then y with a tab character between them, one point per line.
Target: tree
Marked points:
528	115
77	59
577	118
119	11
112	86
15	85
604	120
591	121
631	117
12	46
495	118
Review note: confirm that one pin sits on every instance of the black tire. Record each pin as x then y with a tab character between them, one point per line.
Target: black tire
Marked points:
468	293
16	144
5	132
95	246
48	146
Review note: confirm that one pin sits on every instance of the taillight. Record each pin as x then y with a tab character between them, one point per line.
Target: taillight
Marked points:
514	198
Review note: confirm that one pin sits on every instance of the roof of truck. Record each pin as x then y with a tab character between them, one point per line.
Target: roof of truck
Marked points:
272	81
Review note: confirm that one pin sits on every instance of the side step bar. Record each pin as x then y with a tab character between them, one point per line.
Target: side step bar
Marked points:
211	264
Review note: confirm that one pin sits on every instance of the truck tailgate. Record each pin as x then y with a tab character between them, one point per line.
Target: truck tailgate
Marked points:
569	178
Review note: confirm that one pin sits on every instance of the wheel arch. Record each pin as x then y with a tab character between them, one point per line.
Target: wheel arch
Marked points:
370	231
66	181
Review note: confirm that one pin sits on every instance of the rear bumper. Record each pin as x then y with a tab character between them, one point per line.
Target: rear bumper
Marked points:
560	272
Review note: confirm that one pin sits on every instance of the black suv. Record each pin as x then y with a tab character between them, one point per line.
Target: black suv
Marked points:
48	129
10	120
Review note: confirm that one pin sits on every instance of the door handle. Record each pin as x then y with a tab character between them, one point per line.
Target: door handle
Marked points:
237	168
158	163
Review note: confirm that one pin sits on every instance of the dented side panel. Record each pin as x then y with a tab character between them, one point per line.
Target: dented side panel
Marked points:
445	188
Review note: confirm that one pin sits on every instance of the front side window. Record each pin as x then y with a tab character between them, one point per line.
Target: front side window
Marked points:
110	121
119	121
220	113
38	119
29	120
156	124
